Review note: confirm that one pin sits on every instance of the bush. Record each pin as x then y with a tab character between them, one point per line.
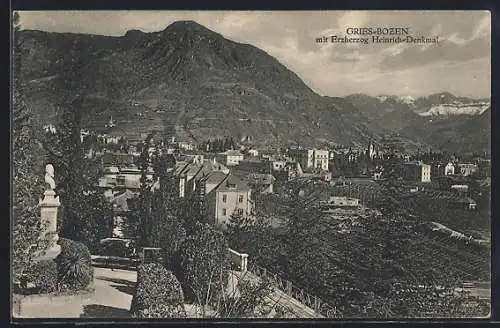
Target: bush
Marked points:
162	311
158	293
43	275
74	266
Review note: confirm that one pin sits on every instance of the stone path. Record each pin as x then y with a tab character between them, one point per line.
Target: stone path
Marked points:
113	294
111	299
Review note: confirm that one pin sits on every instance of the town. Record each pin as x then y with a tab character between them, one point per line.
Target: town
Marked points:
224	181
252	194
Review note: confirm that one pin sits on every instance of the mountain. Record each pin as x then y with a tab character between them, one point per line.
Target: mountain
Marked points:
186	80
445	105
442	120
391	112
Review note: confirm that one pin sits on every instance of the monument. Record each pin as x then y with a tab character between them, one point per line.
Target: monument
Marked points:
48	209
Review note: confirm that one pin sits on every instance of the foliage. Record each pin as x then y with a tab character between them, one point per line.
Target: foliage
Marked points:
115	248
85	214
250	301
205	264
74	266
43	274
162	311
374	266
218	145
167	233
244	233
27	173
158	293
142	212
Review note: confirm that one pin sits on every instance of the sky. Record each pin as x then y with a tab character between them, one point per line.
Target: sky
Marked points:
459	63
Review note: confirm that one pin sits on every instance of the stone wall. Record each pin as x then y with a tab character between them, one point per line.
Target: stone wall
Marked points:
50	305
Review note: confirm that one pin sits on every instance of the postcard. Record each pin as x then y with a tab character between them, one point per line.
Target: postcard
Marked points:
251	164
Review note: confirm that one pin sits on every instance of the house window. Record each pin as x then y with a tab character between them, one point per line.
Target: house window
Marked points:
224	198
240	199
231	185
239	211
224	212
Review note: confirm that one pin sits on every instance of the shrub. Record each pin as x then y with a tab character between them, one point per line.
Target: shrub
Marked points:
43	275
162	311
158	293
74	266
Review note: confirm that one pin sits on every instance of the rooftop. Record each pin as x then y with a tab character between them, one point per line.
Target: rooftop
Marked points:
258	178
232	153
232	183
120	201
214	177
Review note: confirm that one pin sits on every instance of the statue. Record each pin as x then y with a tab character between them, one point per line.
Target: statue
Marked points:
49	176
48	214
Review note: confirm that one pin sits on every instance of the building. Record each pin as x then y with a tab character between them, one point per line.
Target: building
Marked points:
467	169
377	176
253	152
371	151
188	173
278	164
484	167
449	169
195	158
230	196
461	190
230	157
263	183
341	201
310	158
121	211
378	173
416	172
117	180
187	146
441	169
254	165
466	203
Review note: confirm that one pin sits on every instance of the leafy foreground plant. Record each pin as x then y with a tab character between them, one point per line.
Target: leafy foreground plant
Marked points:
158	293
74	266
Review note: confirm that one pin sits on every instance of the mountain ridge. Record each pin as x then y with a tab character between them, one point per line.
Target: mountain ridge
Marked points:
186	78
418	120
192	82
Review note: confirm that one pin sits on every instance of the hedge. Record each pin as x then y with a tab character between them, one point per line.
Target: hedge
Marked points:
74	266
43	275
158	293
162	311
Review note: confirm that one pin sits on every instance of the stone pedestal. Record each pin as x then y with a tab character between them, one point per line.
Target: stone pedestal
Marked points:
244	262
49	206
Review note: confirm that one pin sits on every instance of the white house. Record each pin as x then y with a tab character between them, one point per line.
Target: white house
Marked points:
449	169
310	158
230	157
467	169
253	152
187	146
417	172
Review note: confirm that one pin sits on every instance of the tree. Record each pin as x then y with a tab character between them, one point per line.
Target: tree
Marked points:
27	173
205	264
142	210
85	214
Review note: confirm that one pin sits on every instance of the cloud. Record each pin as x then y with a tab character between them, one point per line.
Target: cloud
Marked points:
354	19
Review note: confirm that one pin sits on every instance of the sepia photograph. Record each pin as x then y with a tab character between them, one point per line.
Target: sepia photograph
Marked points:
229	165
